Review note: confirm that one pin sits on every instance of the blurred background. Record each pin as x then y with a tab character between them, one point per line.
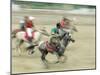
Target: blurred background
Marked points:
53	12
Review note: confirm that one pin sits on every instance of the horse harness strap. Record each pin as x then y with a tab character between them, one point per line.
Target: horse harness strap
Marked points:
49	47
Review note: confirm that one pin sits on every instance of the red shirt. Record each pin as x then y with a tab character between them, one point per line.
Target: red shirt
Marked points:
29	24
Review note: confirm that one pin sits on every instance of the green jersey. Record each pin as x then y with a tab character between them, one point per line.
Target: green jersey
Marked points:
54	31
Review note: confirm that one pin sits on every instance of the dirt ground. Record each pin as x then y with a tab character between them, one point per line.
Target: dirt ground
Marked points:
80	55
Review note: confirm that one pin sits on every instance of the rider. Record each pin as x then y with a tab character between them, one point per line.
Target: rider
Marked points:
58	30
55	30
65	23
29	27
61	28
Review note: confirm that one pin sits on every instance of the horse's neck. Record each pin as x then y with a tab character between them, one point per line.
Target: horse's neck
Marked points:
65	41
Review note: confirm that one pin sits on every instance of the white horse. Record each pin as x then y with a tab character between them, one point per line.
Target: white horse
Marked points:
21	38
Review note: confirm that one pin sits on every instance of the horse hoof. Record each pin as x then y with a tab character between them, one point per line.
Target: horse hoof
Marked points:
56	62
32	52
73	41
45	64
46	67
63	59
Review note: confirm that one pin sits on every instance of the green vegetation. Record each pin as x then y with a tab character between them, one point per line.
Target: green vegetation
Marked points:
45	5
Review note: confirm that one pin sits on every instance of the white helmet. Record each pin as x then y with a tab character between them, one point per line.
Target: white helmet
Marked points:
31	18
21	21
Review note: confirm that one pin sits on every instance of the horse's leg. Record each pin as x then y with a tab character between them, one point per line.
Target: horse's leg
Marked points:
30	49
57	57
13	44
19	45
61	58
44	53
60	55
59	52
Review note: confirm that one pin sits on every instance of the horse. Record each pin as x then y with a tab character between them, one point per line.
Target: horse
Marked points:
56	45
49	46
20	36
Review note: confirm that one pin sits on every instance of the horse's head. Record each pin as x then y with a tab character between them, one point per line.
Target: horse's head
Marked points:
67	38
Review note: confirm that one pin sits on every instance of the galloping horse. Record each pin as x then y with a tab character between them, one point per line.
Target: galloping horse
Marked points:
50	46
56	45
21	38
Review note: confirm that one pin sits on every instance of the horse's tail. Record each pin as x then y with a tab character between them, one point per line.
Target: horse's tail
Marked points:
13	34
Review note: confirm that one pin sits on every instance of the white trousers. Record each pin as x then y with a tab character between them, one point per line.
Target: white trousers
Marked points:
29	31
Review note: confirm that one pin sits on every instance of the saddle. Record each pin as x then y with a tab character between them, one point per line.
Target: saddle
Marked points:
27	37
49	47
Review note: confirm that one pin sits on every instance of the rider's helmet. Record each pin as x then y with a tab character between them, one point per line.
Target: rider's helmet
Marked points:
31	18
